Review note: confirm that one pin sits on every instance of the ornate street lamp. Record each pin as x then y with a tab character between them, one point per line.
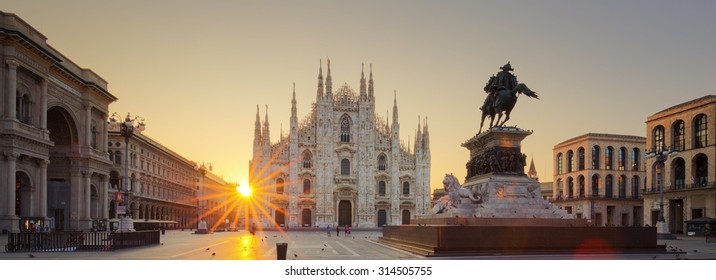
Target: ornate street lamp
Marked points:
127	129
660	155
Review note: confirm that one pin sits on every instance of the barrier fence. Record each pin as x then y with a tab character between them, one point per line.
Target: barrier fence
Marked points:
69	241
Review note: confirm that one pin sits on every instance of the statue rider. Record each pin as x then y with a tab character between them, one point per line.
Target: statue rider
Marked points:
503	81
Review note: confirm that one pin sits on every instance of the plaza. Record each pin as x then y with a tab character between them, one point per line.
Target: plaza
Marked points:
316	245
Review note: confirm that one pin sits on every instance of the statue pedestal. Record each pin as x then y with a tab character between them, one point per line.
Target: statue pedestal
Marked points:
510	216
125	224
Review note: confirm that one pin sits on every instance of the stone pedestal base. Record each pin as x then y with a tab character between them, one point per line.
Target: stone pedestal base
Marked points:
126	224
662	231
9	224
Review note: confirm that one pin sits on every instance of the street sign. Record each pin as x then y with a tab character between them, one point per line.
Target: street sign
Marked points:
120	197
122	210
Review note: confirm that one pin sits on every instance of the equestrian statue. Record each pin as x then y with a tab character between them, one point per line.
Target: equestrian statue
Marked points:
502	90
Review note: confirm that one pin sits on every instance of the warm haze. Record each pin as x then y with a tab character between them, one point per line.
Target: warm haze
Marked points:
196	70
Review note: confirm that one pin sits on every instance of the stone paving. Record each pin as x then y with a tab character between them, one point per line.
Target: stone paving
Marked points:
317	245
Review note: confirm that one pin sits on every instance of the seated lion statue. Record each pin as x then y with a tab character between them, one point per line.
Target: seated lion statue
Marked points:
455	192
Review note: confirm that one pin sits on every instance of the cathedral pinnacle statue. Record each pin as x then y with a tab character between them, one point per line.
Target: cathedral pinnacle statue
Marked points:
502	90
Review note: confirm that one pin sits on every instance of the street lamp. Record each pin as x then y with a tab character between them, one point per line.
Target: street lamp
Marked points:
127	129
660	155
203	169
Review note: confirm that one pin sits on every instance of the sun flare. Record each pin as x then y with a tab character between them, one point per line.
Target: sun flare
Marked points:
244	190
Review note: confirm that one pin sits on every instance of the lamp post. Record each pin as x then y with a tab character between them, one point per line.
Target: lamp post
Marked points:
127	129
660	155
203	169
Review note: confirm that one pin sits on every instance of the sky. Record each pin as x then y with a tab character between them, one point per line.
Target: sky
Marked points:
195	70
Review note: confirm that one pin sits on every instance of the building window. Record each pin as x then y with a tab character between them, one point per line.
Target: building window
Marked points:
608	187
306	186
279	186
622	186
622	158
635	158
307	161
345	167
595	185
345	129
95	134
570	187
560	163
678	166
701	132
608	158
580	181
635	187
22	108
118	157
580	158
381	162
595	157
570	161
659	138
701	170
381	188
406	188
679	135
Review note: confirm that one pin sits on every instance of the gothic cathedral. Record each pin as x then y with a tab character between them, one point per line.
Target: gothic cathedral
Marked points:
341	165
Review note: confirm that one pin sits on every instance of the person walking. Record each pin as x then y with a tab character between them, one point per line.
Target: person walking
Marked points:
338	230
328	230
346	229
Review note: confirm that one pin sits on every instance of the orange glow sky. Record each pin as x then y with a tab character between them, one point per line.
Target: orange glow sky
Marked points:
196	70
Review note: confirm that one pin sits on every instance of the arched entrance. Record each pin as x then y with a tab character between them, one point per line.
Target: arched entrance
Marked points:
406	217
279	217
306	218
382	218
344	213
23	194
63	132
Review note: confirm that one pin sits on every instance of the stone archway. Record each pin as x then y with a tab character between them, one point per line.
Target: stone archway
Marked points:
345	213
64	133
306	218
382	218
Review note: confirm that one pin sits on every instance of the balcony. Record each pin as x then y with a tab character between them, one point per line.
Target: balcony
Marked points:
680	188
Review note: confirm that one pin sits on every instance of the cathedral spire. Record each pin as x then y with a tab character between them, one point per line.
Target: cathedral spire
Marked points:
395	106
533	171
418	137
329	81
426	135
319	94
257	131
266	132
370	84
362	83
293	103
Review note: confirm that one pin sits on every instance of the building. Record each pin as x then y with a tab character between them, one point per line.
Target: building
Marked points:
53	165
342	164
163	186
687	176
599	177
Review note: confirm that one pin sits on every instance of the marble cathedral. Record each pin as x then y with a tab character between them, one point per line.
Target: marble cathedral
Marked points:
341	164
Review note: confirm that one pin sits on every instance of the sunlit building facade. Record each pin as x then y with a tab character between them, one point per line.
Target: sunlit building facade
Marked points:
54	168
342	164
687	176
599	177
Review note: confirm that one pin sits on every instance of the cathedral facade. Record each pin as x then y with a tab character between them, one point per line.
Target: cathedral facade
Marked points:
341	164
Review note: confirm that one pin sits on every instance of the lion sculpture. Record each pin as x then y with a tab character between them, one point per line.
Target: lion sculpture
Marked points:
455	192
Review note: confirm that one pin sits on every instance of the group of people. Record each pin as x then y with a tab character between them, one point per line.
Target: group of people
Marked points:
347	230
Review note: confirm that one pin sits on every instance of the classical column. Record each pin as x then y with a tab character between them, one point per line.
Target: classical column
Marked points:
104	197
42	186
86	181
10	102
88	125
10	183
43	104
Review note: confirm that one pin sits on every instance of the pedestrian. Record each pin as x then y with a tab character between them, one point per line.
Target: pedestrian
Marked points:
328	230
338	230
346	230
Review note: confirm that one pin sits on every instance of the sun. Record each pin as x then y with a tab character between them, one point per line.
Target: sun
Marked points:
244	190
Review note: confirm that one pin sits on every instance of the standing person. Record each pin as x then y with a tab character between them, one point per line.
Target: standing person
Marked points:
338	230
328	230
346	229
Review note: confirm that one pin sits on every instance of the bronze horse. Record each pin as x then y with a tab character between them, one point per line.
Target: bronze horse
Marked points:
502	100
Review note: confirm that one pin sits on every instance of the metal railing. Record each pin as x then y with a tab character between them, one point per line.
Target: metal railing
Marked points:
695	186
70	241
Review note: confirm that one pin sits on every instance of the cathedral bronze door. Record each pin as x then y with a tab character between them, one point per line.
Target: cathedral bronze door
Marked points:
406	217
279	217
382	218
306	217
344	213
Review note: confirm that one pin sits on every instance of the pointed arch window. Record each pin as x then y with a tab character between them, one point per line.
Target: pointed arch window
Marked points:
701	132
307	160
381	162
345	129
